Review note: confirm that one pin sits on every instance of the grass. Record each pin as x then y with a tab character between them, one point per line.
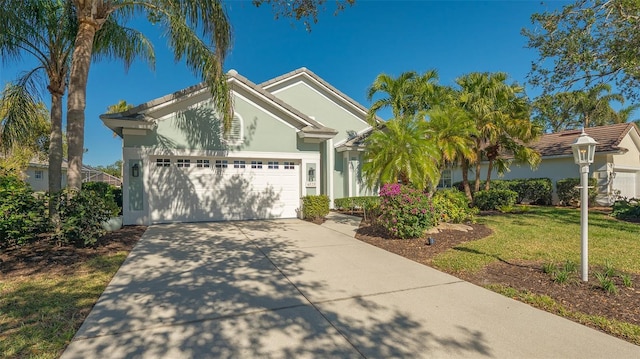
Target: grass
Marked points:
626	330
40	314
547	234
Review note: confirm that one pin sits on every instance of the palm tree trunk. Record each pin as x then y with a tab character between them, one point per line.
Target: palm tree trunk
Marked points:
465	180
76	103
476	185
55	151
489	169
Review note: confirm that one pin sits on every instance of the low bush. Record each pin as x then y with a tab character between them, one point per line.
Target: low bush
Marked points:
23	214
569	193
626	209
531	190
355	203
81	217
451	205
493	199
315	207
405	212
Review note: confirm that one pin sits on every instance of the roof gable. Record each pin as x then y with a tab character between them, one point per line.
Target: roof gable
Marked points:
310	78
144	115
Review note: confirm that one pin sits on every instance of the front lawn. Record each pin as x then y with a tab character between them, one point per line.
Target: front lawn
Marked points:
548	234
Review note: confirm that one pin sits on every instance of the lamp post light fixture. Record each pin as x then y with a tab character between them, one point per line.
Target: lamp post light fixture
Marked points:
584	149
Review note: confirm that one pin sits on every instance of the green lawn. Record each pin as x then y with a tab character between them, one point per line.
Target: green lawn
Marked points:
548	234
40	314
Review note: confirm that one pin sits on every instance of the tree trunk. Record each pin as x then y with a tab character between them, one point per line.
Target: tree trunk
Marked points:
476	185
79	75
465	180
55	150
489	169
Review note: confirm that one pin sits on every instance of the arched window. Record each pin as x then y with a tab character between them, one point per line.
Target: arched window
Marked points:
234	136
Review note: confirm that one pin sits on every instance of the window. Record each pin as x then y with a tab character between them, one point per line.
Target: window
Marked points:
256	164
273	165
289	165
238	164
445	179
38	175
222	164
184	162
163	162
202	163
234	136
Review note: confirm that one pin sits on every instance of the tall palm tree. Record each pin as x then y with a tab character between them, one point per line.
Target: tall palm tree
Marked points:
403	150
594	105
407	94
501	115
453	132
45	30
181	20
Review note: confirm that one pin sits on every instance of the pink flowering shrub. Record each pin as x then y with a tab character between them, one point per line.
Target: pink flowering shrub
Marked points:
405	212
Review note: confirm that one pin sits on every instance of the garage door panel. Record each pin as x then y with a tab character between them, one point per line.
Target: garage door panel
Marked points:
216	194
625	182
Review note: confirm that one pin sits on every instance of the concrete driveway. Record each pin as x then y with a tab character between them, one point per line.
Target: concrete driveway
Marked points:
291	289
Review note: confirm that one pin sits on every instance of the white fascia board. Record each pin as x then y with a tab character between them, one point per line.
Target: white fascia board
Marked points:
149	111
117	123
323	95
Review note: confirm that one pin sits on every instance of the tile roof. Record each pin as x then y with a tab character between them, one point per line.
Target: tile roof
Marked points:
559	143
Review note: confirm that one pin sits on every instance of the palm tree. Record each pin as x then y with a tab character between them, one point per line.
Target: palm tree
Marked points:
45	30
453	132
501	116
594	105
399	92
181	20
401	151
24	122
407	94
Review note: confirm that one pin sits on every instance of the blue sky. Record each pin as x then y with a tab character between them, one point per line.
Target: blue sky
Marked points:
348	50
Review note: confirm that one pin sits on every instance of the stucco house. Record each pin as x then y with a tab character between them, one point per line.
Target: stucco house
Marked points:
36	174
616	164
289	138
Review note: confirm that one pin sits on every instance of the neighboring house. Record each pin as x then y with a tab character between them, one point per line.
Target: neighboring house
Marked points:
289	138
37	175
616	165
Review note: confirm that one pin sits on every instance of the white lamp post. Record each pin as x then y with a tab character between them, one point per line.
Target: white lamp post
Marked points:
584	149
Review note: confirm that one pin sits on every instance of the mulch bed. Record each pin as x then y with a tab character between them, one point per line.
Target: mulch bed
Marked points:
574	295
48	257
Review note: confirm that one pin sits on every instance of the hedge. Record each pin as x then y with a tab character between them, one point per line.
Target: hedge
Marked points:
568	193
315	207
533	190
494	199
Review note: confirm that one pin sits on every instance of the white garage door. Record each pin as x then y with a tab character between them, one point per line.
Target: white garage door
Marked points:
215	189
625	182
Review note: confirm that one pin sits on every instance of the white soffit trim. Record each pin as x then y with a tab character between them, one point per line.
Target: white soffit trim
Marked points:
268	112
324	96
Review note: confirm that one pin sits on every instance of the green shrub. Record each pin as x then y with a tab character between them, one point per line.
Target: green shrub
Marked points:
626	209
81	217
354	203
493	199
533	190
23	215
451	205
315	207
108	193
405	212
568	193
